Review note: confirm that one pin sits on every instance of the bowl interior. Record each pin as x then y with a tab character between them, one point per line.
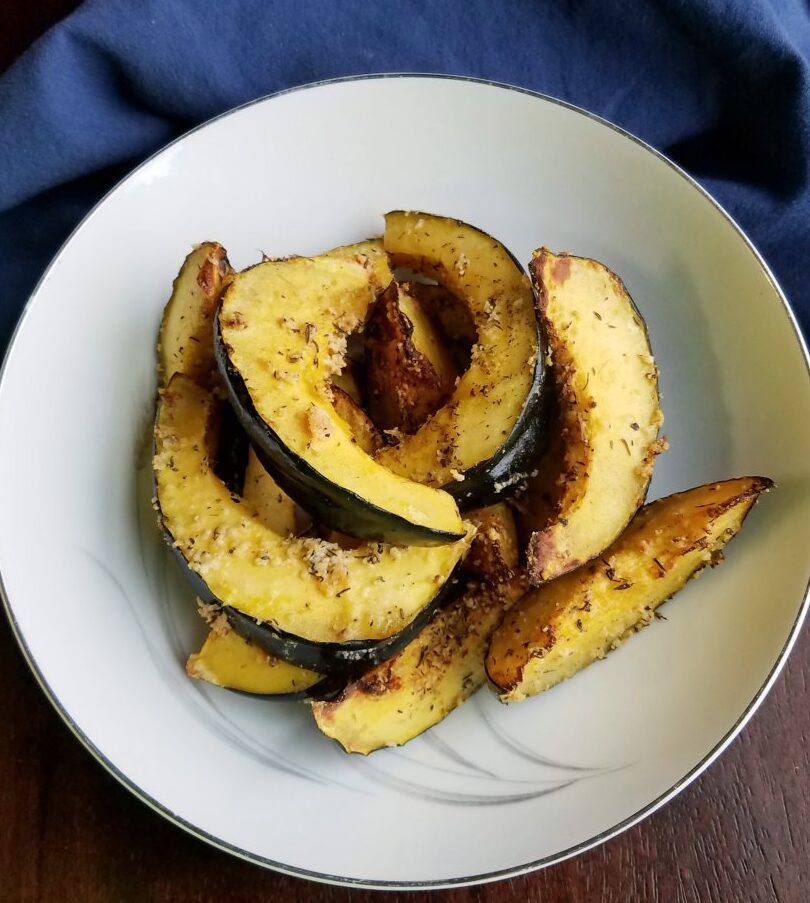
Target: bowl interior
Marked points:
107	621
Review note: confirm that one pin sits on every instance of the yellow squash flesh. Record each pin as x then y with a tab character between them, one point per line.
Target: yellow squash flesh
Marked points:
264	499
227	660
185	341
426	338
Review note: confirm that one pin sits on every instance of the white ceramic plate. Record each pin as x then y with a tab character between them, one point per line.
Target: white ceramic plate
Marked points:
106	621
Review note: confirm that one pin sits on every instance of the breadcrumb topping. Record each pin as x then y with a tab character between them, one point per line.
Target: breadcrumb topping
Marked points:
318	423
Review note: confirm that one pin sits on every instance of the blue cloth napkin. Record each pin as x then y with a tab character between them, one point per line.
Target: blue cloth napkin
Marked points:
721	86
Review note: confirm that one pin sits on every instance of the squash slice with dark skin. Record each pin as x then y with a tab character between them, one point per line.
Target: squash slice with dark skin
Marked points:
563	626
479	445
397	700
606	388
280	336
186	346
227	660
306	600
186	330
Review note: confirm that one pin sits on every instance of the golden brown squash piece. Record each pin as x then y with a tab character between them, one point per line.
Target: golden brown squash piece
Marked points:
227	660
606	386
561	627
404	387
495	550
427	338
186	331
444	665
362	427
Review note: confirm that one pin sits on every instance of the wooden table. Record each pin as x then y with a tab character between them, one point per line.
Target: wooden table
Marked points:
69	832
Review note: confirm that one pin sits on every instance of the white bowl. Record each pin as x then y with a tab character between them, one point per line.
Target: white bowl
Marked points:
106	621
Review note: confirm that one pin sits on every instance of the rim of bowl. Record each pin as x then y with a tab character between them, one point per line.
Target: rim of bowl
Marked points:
484	877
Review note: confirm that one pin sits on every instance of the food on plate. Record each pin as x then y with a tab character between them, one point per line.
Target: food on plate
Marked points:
398	699
322	420
280	335
429	337
227	660
184	342
495	549
606	388
404	386
301	593
480	444
563	626
441	306
361	427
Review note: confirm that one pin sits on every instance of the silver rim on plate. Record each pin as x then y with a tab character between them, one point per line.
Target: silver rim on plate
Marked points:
517	870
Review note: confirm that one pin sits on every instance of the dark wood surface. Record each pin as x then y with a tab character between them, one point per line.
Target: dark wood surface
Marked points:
70	832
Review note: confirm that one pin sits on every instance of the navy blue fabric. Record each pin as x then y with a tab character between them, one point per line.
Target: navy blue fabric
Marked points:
721	86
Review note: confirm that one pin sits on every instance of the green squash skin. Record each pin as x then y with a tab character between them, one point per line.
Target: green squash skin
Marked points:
497	477
336	659
232	452
327	503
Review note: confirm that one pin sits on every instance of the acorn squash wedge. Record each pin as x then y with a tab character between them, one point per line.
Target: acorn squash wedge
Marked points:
228	660
279	337
393	702
563	626
314	603
184	341
480	444
606	389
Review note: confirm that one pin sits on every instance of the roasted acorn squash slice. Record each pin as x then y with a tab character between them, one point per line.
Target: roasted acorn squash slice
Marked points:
395	701
606	388
563	626
302	592
184	342
228	660
481	443
279	338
